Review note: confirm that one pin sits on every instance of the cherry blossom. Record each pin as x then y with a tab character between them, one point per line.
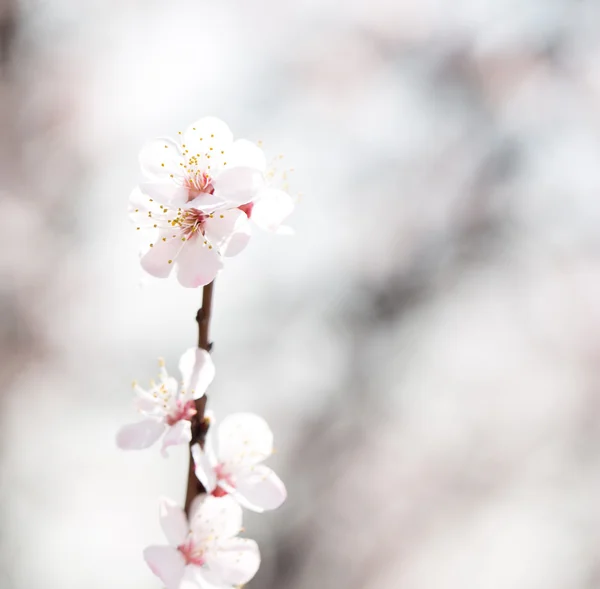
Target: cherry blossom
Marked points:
167	407
205	551
194	186
199	192
244	440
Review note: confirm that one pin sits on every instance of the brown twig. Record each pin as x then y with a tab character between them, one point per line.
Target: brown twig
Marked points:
199	422
203	317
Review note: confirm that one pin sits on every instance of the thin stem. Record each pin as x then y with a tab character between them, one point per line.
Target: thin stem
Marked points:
203	317
199	422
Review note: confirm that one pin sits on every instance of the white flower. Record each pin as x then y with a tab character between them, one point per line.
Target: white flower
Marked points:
168	408
244	440
194	187
205	551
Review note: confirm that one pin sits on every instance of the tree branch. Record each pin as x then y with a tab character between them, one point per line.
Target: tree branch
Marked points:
200	423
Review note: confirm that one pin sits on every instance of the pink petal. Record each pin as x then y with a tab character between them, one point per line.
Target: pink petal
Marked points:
238	185
173	522
244	439
137	198
205	202
208	445
159	259
140	205
195	506
198	263
166	193
202	577
235	561
245	153
228	230
219	517
158	152
167	563
198	371
145	402
180	433
271	208
260	489
137	436
203	468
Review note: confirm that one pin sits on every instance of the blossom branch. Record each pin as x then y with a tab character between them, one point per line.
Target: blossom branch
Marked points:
200	193
200	423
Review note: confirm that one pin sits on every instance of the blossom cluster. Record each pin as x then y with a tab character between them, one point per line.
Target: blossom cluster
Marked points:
205	548
199	195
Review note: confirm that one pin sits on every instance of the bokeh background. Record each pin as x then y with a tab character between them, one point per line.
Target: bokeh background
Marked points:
426	347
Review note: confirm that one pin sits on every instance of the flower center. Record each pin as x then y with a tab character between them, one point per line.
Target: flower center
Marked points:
197	183
191	222
222	475
181	411
193	554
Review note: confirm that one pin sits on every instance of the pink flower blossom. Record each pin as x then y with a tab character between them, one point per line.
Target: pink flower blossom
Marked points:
244	440
206	550
190	200
168	408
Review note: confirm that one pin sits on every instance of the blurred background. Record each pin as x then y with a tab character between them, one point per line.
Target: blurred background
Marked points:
426	347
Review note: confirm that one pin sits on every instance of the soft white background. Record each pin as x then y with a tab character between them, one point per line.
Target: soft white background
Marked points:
426	347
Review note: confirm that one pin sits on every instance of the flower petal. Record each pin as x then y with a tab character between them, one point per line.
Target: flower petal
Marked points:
244	439
202	577
206	202
147	406
173	522
203	134
197	370
245	153
235	561
228	230
166	193
167	563
238	185
271	208
198	263
160	158
219	517
144	401
259	489
137	436
142	210
203	468
180	433
158	260
209	449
